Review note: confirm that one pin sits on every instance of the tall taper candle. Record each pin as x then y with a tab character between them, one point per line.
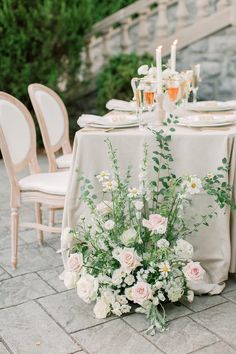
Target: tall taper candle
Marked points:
173	56
159	69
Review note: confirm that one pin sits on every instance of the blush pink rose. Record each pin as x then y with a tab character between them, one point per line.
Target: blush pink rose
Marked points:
141	292
75	262
193	271
156	223
129	259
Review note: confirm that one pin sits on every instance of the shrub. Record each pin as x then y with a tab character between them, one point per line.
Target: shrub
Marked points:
114	79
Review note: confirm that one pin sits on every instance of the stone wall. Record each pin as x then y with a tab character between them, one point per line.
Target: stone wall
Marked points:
217	56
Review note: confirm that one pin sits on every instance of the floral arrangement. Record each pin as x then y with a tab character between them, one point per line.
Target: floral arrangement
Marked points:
132	254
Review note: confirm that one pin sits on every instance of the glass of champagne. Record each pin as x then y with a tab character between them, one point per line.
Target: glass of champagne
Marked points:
185	85
149	94
138	90
195	81
172	91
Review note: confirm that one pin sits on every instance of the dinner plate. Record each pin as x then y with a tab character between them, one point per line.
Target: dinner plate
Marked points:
211	106
113	126
207	120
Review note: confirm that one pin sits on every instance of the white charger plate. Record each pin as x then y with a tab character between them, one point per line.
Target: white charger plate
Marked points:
211	106
207	120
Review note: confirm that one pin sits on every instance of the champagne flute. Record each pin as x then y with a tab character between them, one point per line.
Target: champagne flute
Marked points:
195	81
138	90
172	90
149	94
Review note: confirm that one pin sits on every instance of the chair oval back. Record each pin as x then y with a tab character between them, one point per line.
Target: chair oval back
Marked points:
52	117
18	138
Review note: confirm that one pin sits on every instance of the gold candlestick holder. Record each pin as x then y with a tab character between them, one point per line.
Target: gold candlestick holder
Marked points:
160	112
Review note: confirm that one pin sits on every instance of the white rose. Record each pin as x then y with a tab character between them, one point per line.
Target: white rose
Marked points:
87	287
122	299
129	237
66	239
108	296
105	207
138	205
101	309
143	70
141	292
125	308
129	280
183	249
116	309
193	271
109	225
190	296
129	259
117	276
70	279
128	294
75	262
175	293
163	243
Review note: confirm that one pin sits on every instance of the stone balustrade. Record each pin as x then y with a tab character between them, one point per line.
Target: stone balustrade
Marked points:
140	27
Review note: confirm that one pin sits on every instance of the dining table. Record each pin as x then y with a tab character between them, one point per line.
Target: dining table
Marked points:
195	151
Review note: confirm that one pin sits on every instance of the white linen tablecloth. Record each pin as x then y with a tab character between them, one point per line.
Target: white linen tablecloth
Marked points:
195	151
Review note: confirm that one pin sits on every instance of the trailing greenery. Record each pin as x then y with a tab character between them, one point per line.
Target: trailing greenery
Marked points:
114	80
105	8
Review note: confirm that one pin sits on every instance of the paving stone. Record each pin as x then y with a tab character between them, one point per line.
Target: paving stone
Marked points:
54	242
114	337
220	320
231	296
217	348
27	329
140	323
70	311
51	276
5	239
31	258
230	285
21	289
204	302
3	274
183	336
3	349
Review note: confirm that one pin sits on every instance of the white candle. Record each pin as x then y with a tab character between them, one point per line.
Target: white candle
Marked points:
159	69
173	56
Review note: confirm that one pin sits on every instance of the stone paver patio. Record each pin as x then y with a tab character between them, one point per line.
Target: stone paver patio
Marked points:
39	316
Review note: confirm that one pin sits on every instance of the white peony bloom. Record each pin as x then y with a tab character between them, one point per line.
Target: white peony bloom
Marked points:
141	292
66	239
101	309
129	237
129	280
183	249
75	262
109	225
193	271
175	293
87	288
138	205
109	185
156	223
105	207
143	70
70	279
190	296
103	176
163	243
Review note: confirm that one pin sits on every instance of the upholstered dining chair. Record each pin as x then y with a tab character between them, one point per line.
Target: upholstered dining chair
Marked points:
18	146
52	117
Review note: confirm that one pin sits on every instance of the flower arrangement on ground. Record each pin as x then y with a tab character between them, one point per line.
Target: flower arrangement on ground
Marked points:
133	253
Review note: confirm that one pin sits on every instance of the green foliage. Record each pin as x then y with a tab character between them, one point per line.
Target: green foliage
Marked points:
114	80
41	42
105	8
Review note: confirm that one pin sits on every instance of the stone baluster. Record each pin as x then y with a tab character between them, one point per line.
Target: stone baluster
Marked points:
106	34
143	32
125	40
88	49
202	8
162	21
182	15
222	4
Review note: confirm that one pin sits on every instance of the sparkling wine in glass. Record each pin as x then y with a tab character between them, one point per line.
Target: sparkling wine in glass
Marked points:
138	90
195	81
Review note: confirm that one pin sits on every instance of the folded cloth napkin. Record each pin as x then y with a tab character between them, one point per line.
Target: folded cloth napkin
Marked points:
121	105
111	119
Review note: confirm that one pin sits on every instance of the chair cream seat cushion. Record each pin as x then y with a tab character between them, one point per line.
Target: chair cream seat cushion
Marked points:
51	183
64	161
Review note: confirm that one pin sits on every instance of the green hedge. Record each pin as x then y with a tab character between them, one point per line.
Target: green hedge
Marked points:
114	80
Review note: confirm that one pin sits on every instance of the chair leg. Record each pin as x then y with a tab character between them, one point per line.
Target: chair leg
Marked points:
14	236
51	217
38	216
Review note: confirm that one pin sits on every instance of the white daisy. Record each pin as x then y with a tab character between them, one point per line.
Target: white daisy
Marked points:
133	192
109	185
103	176
164	268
